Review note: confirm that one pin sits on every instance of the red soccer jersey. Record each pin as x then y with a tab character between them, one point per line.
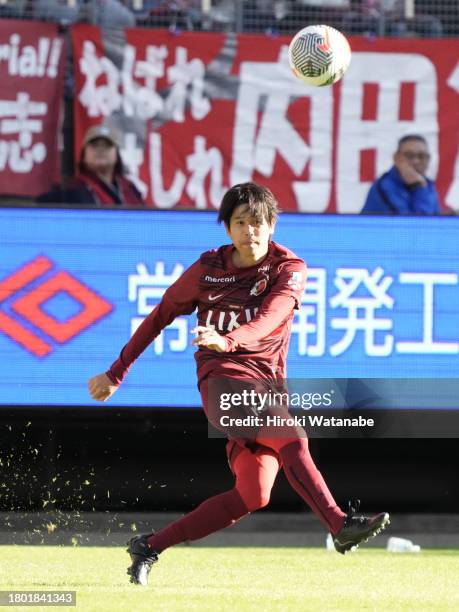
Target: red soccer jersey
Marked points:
252	307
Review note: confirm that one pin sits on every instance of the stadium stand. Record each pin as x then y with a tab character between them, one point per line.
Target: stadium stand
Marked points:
372	18
401	18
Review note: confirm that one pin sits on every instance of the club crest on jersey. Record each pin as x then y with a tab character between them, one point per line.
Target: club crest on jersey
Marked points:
259	287
295	280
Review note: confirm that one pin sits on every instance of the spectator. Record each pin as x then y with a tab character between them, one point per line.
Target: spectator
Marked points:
402	25
13	9
222	15
110	14
59	11
404	189
173	14
388	17
364	17
100	180
273	16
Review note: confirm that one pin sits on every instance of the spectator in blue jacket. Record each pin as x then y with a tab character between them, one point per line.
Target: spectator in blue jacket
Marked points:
405	190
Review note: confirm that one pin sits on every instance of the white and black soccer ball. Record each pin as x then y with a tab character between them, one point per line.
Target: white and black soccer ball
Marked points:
319	55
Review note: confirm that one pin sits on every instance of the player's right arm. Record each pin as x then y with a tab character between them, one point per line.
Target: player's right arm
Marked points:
180	298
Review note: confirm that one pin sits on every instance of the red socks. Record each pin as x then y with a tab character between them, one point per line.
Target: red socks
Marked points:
307	481
212	515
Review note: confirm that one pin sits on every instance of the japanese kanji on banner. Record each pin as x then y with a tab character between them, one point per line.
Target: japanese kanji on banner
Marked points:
200	112
31	74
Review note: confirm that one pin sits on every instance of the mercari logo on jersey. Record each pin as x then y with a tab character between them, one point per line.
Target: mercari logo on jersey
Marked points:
220	279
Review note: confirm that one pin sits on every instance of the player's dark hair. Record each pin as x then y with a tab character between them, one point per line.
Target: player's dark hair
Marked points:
408	137
260	202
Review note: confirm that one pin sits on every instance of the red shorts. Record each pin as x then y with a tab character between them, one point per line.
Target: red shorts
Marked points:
249	436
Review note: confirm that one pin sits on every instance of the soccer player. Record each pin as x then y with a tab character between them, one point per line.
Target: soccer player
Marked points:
245	294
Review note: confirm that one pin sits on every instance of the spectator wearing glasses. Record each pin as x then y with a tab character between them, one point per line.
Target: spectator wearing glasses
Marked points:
405	189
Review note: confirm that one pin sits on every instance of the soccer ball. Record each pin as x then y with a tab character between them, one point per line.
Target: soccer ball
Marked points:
319	55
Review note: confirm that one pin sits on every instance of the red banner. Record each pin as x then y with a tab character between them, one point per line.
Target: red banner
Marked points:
200	112
31	74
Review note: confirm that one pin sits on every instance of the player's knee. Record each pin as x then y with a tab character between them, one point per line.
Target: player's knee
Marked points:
263	498
256	498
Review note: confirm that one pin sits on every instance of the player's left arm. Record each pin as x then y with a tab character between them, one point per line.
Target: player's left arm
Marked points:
284	297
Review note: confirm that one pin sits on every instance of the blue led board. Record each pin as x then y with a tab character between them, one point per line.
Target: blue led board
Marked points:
382	300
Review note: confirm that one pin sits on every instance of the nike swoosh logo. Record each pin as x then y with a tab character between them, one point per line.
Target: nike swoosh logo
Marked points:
214	297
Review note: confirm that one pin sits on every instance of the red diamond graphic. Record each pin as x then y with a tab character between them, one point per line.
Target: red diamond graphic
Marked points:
94	307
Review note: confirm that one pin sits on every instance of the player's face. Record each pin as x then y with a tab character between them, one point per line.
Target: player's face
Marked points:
416	153
250	236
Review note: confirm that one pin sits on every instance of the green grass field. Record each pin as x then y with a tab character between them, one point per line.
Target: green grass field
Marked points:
261	579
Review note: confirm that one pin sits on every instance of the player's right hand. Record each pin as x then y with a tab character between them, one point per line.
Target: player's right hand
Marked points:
101	387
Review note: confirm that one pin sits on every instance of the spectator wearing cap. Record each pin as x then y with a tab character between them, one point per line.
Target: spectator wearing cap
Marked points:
100	180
